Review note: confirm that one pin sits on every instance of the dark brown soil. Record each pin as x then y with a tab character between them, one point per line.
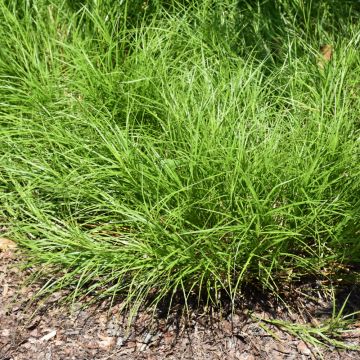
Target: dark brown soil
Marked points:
49	330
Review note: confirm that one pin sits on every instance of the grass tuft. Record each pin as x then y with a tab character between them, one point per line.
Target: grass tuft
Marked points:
191	147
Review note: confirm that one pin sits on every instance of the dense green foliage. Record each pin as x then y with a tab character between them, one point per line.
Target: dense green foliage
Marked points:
192	146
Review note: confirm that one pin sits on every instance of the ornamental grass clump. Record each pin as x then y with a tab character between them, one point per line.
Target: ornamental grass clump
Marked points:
193	149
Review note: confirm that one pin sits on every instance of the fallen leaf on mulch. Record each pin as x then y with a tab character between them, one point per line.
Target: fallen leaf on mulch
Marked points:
5	290
6	244
48	336
5	332
106	342
303	348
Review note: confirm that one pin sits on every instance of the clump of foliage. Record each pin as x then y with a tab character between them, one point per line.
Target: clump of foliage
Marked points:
190	146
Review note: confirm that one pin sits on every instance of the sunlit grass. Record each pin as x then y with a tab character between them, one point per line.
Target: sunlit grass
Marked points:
179	150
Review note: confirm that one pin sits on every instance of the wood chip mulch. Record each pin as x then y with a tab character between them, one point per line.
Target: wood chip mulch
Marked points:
50	330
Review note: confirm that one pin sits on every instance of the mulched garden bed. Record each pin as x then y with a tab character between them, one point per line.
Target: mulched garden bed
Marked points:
48	329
